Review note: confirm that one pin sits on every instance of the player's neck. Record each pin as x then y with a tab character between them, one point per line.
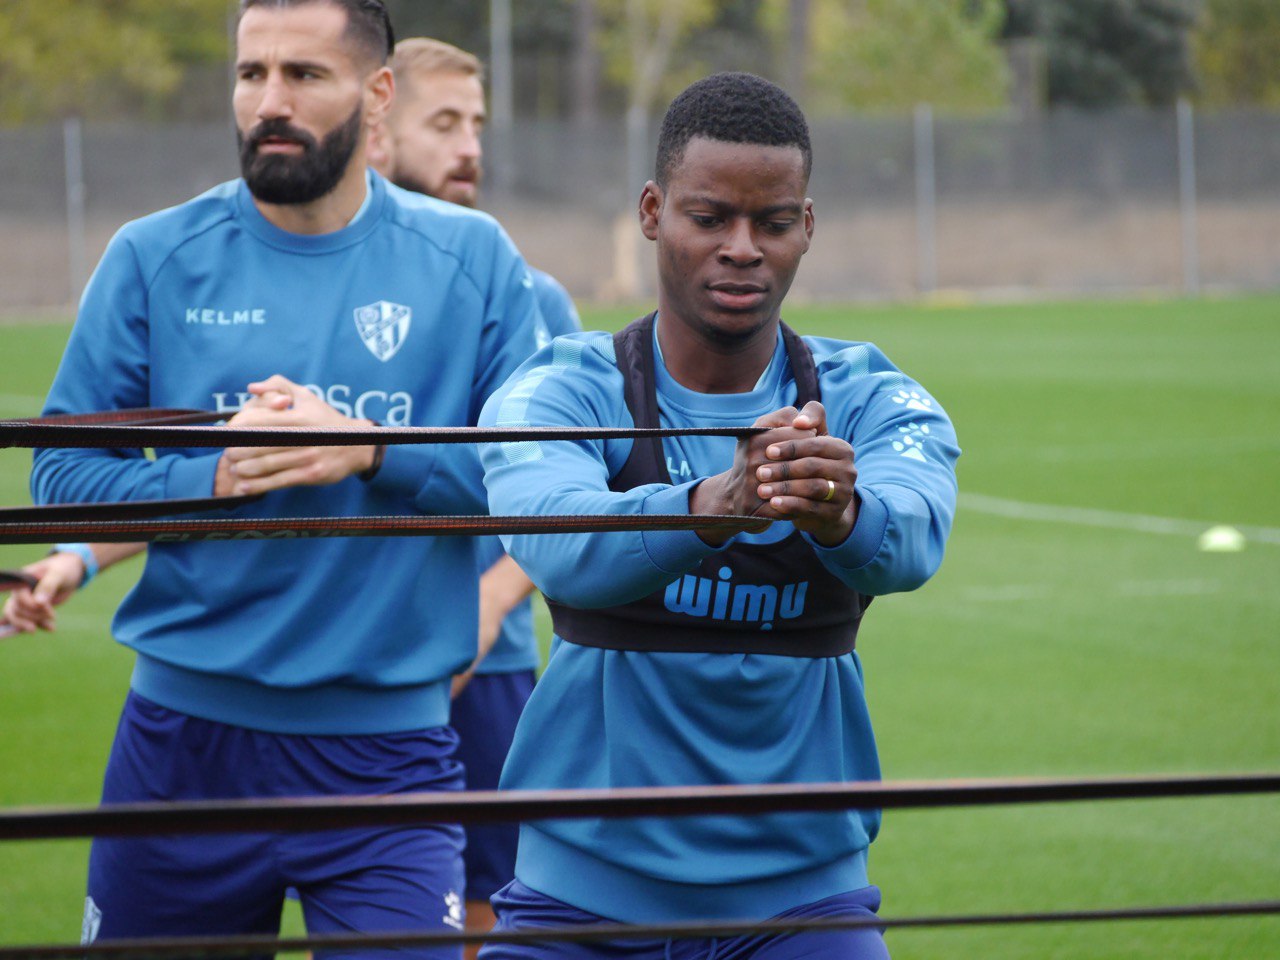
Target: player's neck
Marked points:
329	213
708	364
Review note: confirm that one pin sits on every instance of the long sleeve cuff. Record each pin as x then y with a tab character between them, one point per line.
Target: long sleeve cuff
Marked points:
406	470
191	476
673	551
866	538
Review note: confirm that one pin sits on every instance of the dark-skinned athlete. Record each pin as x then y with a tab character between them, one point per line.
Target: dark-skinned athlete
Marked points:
687	660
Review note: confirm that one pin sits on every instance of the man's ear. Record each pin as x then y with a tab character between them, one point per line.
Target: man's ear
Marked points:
379	92
808	222
650	209
378	149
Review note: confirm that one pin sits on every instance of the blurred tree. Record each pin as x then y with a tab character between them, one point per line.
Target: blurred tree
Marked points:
639	39
102	57
542	35
799	29
464	23
893	54
584	88
1238	52
1105	53
733	39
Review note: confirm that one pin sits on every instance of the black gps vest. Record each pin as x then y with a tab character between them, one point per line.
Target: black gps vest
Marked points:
773	598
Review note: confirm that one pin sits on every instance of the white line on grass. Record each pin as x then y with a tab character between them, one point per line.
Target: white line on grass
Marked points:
1147	450
1015	593
1107	519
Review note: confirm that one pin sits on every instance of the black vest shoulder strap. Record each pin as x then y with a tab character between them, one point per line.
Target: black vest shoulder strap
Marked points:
803	367
633	350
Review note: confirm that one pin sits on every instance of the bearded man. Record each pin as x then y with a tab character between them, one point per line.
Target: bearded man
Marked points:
310	292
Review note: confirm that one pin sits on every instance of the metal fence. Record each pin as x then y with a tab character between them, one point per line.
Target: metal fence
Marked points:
1066	203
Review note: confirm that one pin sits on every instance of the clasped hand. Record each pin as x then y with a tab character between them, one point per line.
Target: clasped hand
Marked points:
279	402
796	471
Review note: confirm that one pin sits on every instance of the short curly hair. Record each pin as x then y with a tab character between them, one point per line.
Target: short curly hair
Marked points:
733	108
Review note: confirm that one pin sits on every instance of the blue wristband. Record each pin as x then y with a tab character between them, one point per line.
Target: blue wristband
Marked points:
85	553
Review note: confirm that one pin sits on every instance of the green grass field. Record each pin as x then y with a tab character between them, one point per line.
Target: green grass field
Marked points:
1047	645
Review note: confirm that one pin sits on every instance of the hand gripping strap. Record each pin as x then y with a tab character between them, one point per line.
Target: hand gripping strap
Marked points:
12	579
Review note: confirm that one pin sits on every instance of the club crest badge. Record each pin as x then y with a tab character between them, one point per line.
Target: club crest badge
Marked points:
383	327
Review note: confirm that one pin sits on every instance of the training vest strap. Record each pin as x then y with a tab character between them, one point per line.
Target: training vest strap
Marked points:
772	598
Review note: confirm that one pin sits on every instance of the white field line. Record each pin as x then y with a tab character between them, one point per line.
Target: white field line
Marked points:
1130	589
1106	519
1148	450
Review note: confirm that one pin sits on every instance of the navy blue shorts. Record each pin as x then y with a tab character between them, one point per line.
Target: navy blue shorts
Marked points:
520	908
358	880
484	716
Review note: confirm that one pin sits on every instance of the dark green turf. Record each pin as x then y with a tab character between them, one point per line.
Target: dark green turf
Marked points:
1041	648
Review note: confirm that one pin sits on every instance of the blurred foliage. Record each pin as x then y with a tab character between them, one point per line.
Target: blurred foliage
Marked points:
464	23
894	54
736	39
639	40
162	58
542	33
102	57
1107	53
537	25
1238	52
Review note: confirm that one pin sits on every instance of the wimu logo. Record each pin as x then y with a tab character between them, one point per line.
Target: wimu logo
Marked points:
722	599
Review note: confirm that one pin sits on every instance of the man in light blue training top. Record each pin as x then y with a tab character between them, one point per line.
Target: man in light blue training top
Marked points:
430	142
682	659
310	292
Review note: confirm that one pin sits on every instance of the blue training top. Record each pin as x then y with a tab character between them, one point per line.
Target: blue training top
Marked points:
411	315
622	718
517	645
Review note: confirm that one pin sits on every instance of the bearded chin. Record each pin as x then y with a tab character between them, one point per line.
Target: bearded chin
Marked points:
286	180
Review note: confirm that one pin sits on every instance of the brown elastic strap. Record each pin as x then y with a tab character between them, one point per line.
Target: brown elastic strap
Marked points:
120	510
249	945
133	416
23	434
189	531
13	579
303	814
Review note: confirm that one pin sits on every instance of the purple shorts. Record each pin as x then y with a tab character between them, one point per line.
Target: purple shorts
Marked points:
484	716
523	909
357	880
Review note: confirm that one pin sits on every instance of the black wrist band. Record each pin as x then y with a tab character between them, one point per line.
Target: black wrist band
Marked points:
379	452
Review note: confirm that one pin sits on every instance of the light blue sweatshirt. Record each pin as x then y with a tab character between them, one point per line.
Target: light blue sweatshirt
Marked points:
410	315
517	645
611	718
